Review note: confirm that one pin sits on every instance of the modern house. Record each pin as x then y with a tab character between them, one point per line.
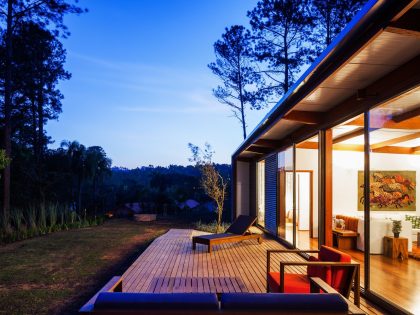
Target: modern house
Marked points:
338	158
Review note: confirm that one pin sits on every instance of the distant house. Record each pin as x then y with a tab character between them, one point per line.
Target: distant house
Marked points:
119	212
188	204
125	210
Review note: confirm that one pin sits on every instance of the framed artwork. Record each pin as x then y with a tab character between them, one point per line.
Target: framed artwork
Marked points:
389	191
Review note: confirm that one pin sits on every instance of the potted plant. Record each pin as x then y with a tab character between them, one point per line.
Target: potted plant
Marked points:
396	228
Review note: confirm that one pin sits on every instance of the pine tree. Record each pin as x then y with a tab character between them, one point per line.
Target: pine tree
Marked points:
240	78
331	16
281	29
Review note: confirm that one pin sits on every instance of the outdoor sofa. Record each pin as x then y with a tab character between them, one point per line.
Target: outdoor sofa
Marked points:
109	301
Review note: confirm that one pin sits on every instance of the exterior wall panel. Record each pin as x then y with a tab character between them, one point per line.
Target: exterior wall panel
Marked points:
242	188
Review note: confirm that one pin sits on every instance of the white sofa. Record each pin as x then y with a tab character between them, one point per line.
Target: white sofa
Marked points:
378	229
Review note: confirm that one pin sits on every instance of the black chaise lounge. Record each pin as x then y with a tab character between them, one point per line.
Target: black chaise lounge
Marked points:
237	232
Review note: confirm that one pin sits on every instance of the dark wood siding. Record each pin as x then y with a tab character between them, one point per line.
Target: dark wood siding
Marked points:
271	194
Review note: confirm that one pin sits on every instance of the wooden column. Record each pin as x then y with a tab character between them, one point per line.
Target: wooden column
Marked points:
328	187
325	187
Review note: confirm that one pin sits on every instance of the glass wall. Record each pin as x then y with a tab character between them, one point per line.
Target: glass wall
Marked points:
394	201
348	161
306	193
261	193
286	193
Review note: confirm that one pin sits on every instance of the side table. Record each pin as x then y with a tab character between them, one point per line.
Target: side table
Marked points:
396	247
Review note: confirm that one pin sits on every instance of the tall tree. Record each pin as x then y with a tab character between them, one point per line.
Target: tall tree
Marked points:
76	154
39	65
240	78
98	165
281	29
46	13
331	16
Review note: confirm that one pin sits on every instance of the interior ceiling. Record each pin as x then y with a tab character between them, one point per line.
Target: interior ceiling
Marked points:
385	53
380	57
404	133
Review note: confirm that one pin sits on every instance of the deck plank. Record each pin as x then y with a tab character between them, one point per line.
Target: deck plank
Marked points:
170	265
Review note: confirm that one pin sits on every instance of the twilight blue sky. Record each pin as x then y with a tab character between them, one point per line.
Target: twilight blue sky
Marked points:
141	88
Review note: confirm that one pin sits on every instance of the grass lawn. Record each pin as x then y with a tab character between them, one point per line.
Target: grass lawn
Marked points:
57	273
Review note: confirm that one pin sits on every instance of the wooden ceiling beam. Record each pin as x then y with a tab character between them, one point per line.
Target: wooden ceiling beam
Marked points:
394	150
305	117
307	145
360	148
385	122
348	147
395	140
354	133
407	115
273	144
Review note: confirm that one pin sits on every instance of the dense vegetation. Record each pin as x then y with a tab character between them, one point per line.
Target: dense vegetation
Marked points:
160	189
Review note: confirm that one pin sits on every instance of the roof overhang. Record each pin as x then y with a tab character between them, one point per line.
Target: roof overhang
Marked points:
374	59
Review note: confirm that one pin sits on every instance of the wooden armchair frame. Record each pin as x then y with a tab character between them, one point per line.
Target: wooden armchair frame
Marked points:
355	276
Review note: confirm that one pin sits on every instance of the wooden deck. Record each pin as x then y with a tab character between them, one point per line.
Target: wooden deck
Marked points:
170	265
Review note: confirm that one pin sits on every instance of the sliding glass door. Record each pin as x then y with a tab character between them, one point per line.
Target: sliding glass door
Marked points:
394	201
286	209
261	193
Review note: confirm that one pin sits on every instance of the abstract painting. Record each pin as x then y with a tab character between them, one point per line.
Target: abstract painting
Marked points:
389	191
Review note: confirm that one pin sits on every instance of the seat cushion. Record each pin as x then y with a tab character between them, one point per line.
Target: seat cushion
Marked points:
293	283
156	301
258	302
323	272
339	275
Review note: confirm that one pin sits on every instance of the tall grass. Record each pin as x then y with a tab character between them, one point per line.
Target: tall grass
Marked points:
46	218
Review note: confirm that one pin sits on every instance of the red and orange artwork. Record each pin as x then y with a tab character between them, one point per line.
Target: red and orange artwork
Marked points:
389	191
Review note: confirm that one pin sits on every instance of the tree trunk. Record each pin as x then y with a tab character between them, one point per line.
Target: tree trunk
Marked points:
34	126
243	118
40	142
40	125
94	195
241	99
8	108
80	195
219	216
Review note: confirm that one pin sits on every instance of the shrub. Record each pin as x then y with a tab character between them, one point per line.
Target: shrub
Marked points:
36	221
211	227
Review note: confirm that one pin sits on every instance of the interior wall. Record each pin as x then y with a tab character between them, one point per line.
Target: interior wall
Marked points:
242	187
346	165
307	160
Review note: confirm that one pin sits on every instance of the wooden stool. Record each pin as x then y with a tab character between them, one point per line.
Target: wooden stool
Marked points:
396	247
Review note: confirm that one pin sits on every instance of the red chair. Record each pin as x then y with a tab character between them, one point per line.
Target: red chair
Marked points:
332	266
